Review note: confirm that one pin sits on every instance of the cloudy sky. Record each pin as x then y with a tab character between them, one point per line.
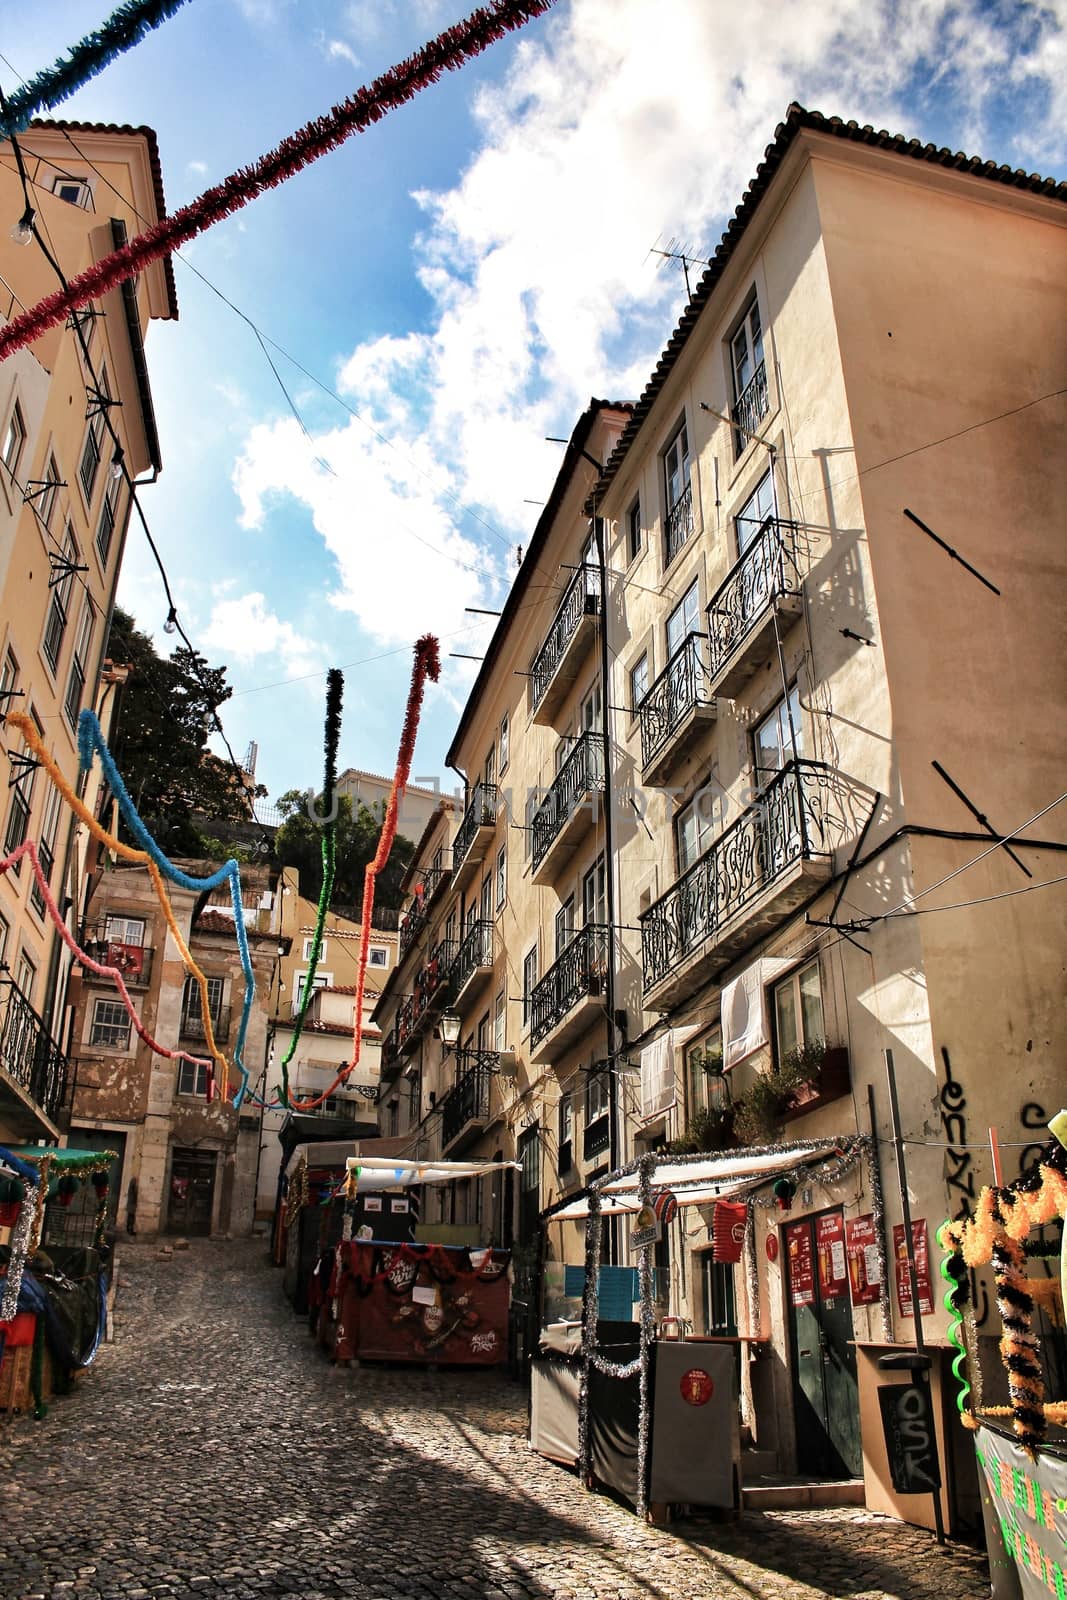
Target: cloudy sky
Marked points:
462	278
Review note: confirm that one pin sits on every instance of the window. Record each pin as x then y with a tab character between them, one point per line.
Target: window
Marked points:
702	1083
125	930
490	766
49	492
5	933
94	436
597	1096
322	950
683	620
798	1014
46	843
534	801
323	980
499	1021
484	1032
377	956
55	626
566	1133
719	1302
529	1154
694	828
676	467
633	531
639	682
772	742
564	929
595	895
26	977
105	528
79	664
110	1025
192	1079
191	1003
486	907
749	375
75	191
14	439
505	738
592	718
529	982
754	514
501	876
18	815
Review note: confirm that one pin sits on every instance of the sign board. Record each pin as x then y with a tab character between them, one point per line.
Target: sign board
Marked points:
921	1251
910	1440
1025	1513
830	1255
649	1229
864	1266
801	1264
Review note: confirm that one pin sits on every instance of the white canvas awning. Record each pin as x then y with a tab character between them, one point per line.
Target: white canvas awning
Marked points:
374	1173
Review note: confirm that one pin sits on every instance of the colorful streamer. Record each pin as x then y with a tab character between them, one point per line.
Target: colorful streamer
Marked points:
127	25
360	111
954	1273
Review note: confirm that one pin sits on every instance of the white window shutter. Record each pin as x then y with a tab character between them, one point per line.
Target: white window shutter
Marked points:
745	1026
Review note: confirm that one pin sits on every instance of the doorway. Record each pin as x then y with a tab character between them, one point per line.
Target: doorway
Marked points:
825	1391
192	1192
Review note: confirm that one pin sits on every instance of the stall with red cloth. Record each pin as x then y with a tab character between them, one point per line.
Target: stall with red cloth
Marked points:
420	1303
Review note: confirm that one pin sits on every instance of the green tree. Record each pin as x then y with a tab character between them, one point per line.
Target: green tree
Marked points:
298	843
166	715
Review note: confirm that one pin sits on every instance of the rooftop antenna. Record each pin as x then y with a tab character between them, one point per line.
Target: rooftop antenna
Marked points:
680	253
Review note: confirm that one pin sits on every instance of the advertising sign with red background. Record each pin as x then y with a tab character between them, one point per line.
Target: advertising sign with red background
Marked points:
830	1255
801	1264
921	1250
864	1272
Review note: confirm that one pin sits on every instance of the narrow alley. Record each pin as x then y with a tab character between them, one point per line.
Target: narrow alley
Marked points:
212	1451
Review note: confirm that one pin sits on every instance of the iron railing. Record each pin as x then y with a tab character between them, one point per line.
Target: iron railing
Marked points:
429	980
580	971
752	406
680	686
481	813
475	950
419	909
582	773
192	1025
766	570
679	524
468	1100
134	961
28	1053
581	598
793	820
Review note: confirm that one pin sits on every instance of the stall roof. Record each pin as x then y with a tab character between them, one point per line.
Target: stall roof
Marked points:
388	1172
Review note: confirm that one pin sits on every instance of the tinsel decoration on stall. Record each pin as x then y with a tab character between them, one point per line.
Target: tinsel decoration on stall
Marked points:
335	684
449	51
102	1189
29	1178
995	1236
127	25
752	1269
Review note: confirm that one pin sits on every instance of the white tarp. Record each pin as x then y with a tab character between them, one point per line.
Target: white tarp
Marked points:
661	1059
389	1172
744	1010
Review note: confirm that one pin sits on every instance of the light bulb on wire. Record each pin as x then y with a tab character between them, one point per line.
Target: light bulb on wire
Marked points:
171	624
22	232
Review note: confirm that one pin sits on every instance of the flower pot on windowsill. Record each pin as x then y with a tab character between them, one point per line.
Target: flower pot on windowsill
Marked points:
831	1082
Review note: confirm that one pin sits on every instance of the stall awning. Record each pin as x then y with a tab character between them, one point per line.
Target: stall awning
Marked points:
388	1172
701	1181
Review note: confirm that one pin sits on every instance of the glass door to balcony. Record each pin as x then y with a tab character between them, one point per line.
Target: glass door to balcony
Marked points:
756	511
683	620
564	926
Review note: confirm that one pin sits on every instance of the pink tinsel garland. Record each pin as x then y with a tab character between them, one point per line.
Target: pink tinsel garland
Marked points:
368	105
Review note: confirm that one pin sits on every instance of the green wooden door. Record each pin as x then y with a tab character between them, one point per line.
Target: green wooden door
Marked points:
825	1392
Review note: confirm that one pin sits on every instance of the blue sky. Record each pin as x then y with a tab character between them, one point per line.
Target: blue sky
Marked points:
465	275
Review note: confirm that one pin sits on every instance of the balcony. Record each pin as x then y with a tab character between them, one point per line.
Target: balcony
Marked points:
748	882
678	525
465	1108
764	583
753	404
192	1025
473	962
418	912
429	992
570	997
671	713
33	1068
475	834
557	662
134	961
571	807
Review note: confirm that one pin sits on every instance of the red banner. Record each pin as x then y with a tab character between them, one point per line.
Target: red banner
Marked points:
728	1230
830	1255
801	1264
921	1251
864	1267
423	1308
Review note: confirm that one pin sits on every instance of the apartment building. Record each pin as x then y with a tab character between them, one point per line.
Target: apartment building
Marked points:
75	429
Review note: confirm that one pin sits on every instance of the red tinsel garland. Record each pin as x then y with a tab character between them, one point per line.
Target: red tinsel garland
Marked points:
368	105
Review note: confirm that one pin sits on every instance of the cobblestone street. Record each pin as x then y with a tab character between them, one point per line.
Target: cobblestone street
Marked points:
211	1450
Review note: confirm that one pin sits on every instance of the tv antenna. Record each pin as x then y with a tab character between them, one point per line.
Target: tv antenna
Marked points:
681	254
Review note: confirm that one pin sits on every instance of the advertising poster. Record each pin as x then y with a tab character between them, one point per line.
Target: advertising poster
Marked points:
921	1250
864	1268
830	1255
801	1264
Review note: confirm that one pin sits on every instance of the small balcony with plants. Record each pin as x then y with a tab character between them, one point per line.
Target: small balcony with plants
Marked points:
473	961
570	809
430	884
567	643
570	997
475	835
134	961
677	705
749	880
763	584
428	994
807	1077
467	1107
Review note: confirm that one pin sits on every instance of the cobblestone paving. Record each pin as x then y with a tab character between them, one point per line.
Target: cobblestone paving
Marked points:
211	1450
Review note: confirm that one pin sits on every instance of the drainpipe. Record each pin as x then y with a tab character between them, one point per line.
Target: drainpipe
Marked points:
615	1036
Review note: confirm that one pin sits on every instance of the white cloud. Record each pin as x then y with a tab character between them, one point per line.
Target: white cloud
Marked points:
196	169
244	629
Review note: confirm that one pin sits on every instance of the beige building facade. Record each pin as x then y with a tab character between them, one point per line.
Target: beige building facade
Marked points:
74	432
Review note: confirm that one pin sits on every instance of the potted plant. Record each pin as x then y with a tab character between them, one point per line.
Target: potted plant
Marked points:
706	1130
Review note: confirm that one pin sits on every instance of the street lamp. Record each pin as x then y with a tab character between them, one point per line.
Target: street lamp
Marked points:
448	1026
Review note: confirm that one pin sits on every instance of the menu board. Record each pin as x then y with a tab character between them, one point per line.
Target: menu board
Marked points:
830	1255
801	1264
921	1251
864	1266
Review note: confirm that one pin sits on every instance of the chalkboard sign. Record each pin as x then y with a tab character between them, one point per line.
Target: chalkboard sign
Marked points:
910	1441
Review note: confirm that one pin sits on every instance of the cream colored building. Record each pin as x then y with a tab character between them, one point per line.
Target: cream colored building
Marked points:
371	790
63	519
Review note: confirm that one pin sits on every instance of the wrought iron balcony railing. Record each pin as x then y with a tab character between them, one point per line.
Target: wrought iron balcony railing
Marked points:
192	1025
475	950
28	1053
764	572
481	813
581	599
800	815
430	981
418	911
134	961
679	524
680	687
752	406
579	972
468	1101
582	773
